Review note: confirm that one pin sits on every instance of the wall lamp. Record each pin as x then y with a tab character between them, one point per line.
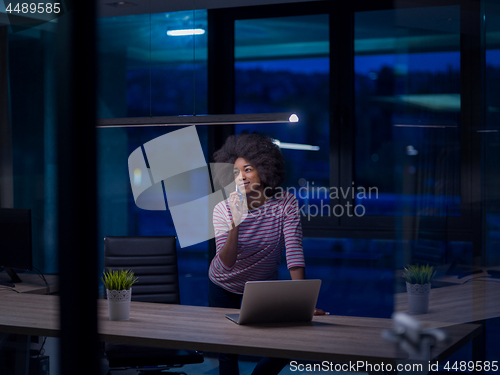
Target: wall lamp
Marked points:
231	119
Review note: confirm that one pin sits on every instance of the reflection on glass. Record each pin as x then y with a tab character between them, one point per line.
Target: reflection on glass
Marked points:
144	71
492	139
152	64
491	142
28	136
282	65
407	110
120	216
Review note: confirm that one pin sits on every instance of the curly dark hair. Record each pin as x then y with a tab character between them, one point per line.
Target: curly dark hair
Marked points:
261	151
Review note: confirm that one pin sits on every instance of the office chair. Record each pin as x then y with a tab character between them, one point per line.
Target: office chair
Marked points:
154	261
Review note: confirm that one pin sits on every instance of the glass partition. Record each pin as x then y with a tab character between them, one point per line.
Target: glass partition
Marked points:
119	214
28	154
28	132
426	111
490	137
356	274
407	110
149	67
283	65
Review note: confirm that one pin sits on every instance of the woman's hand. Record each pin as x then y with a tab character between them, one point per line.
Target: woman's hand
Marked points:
320	312
236	205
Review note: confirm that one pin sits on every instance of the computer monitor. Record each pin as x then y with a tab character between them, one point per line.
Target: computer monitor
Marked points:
15	241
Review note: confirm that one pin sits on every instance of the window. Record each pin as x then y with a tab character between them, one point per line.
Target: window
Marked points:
282	65
145	72
407	111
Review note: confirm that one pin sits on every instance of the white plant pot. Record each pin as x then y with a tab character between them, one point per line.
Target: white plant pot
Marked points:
418	297
119	304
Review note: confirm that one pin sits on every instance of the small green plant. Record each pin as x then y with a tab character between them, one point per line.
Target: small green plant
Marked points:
118	279
418	274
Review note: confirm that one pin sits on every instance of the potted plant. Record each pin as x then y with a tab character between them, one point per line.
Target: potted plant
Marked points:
418	285
118	284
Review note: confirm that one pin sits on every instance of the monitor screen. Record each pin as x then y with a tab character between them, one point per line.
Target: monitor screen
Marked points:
15	239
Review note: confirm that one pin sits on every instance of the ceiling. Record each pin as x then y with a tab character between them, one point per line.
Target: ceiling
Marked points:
131	7
161	6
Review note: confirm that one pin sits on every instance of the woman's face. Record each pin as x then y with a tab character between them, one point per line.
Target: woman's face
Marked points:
246	177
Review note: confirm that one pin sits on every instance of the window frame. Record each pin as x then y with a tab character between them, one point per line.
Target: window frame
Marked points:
342	126
458	228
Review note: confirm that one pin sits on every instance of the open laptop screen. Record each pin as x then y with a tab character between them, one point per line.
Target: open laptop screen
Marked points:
277	301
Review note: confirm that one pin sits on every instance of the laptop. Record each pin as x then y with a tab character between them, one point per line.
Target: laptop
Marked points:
277	301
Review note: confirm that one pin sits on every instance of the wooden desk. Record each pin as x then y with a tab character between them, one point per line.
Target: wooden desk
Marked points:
470	302
326	338
448	280
32	283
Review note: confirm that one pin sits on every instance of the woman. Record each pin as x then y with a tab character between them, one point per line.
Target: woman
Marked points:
252	227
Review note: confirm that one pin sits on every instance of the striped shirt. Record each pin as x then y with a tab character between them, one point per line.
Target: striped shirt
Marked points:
262	236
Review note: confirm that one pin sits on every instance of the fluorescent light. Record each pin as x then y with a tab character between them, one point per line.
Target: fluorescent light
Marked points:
249	118
424	126
296	146
121	4
185	32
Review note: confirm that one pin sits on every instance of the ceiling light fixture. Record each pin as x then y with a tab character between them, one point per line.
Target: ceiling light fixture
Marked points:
423	126
237	119
121	4
185	32
296	146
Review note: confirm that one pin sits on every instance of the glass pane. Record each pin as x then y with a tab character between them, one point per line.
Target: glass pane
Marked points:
491	149
179	64
29	76
149	66
119	214
282	65
28	170
357	272
491	135
407	111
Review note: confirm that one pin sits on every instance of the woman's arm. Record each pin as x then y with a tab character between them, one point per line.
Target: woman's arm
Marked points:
297	273
229	251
